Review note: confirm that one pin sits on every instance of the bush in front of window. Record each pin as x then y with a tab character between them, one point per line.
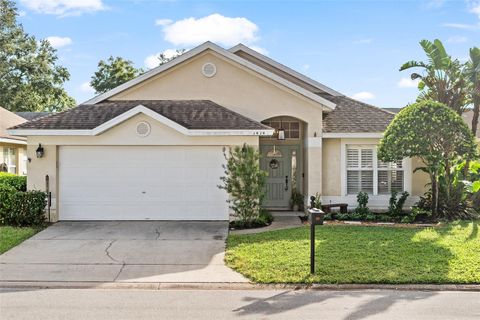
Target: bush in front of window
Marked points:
21	208
362	210
395	205
17	182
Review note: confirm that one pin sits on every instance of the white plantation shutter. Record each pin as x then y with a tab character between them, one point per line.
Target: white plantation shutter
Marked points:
353	160
367	173
367	158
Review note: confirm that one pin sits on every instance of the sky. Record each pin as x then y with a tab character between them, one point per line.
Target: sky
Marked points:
355	47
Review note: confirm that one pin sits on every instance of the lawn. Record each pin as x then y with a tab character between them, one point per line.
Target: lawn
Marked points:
360	254
11	236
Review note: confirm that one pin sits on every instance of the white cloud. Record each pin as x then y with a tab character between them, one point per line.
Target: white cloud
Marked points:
474	7
163	22
58	42
215	27
364	95
408	83
86	87
64	7
22	13
306	67
363	41
461	26
457	39
152	61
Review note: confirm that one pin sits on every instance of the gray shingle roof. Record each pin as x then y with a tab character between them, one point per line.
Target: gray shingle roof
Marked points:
32	115
351	116
191	114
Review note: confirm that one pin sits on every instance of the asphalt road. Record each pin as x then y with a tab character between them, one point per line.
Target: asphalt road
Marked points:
236	304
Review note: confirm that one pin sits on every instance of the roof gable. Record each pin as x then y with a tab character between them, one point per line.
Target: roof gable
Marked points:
282	70
326	104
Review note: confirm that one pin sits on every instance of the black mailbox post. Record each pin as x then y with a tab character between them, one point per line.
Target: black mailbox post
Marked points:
316	218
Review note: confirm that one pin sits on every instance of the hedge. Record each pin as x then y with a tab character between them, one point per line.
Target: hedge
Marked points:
21	208
17	182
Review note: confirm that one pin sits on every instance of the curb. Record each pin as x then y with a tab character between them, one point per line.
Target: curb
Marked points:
234	286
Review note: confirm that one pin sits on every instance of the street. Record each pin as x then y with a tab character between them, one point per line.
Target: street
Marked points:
235	304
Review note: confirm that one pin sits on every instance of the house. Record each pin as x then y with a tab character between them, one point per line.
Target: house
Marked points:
153	147
12	148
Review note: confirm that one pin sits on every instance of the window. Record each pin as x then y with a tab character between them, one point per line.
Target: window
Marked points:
292	128
8	160
368	174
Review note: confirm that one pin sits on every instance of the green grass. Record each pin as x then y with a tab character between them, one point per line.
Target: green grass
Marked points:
11	236
359	254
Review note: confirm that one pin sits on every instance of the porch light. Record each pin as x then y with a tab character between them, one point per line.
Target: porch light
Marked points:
40	152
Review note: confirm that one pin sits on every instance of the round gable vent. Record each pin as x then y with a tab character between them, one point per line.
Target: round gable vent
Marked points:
209	69
143	129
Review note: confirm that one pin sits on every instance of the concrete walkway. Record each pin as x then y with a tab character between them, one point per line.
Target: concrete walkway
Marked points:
149	251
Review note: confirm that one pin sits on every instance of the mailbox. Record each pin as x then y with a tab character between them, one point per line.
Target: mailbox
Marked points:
316	218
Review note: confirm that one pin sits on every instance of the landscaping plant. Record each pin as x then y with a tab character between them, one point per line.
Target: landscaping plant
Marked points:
21	208
439	137
395	206
362	209
17	182
245	183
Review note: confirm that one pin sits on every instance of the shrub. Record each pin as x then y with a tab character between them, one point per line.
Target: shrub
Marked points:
395	206
244	181
362	200
17	182
21	208
265	218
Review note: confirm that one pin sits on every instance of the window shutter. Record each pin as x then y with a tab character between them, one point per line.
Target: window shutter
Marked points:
367	181
352	158
353	182
367	158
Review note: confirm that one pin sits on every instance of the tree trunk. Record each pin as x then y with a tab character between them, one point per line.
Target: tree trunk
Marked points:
433	179
476	112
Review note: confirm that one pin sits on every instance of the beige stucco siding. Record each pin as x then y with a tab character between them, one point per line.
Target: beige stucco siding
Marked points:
123	134
419	178
331	167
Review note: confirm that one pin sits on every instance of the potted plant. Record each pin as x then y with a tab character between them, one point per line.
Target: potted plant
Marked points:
296	200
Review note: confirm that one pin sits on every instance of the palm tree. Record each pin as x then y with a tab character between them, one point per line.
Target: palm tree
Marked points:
472	72
442	78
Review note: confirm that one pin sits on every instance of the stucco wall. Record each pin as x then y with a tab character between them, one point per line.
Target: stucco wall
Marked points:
123	134
331	167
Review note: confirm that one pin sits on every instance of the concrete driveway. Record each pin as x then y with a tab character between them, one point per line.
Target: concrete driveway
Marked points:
141	251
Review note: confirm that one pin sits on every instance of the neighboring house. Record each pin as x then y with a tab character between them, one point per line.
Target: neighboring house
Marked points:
29	116
13	149
153	148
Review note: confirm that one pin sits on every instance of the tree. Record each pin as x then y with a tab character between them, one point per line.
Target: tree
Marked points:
472	72
112	73
434	133
30	79
442	79
245	182
163	58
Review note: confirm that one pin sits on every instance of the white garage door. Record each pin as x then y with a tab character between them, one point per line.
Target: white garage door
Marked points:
141	183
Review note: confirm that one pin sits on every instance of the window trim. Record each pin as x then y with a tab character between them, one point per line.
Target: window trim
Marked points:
370	143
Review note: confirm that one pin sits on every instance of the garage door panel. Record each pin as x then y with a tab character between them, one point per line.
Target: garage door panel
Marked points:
137	183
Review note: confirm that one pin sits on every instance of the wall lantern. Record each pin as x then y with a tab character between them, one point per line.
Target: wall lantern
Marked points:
40	152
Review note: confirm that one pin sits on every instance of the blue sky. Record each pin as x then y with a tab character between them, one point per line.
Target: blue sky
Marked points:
355	47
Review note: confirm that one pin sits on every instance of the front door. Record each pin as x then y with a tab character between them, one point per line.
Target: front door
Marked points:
278	162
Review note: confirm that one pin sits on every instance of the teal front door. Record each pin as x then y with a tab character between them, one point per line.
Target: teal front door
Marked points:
277	162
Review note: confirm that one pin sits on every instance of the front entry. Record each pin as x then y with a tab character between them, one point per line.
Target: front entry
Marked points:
282	165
